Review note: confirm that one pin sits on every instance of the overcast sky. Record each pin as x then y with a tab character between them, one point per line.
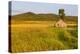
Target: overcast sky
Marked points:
19	7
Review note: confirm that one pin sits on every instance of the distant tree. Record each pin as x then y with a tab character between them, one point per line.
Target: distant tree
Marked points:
61	14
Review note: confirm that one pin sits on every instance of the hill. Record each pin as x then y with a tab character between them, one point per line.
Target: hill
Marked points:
29	16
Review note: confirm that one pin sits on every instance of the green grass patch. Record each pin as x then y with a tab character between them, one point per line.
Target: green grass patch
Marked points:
36	39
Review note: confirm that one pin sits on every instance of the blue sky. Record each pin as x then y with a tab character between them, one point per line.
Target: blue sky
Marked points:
19	7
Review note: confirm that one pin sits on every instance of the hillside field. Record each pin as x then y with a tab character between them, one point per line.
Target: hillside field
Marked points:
40	35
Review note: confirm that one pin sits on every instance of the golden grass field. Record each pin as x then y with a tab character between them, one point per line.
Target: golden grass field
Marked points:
28	36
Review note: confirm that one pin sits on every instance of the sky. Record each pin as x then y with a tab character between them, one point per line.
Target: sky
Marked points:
19	7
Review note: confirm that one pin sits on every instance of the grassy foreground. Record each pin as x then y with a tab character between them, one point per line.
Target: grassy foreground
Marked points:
41	37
